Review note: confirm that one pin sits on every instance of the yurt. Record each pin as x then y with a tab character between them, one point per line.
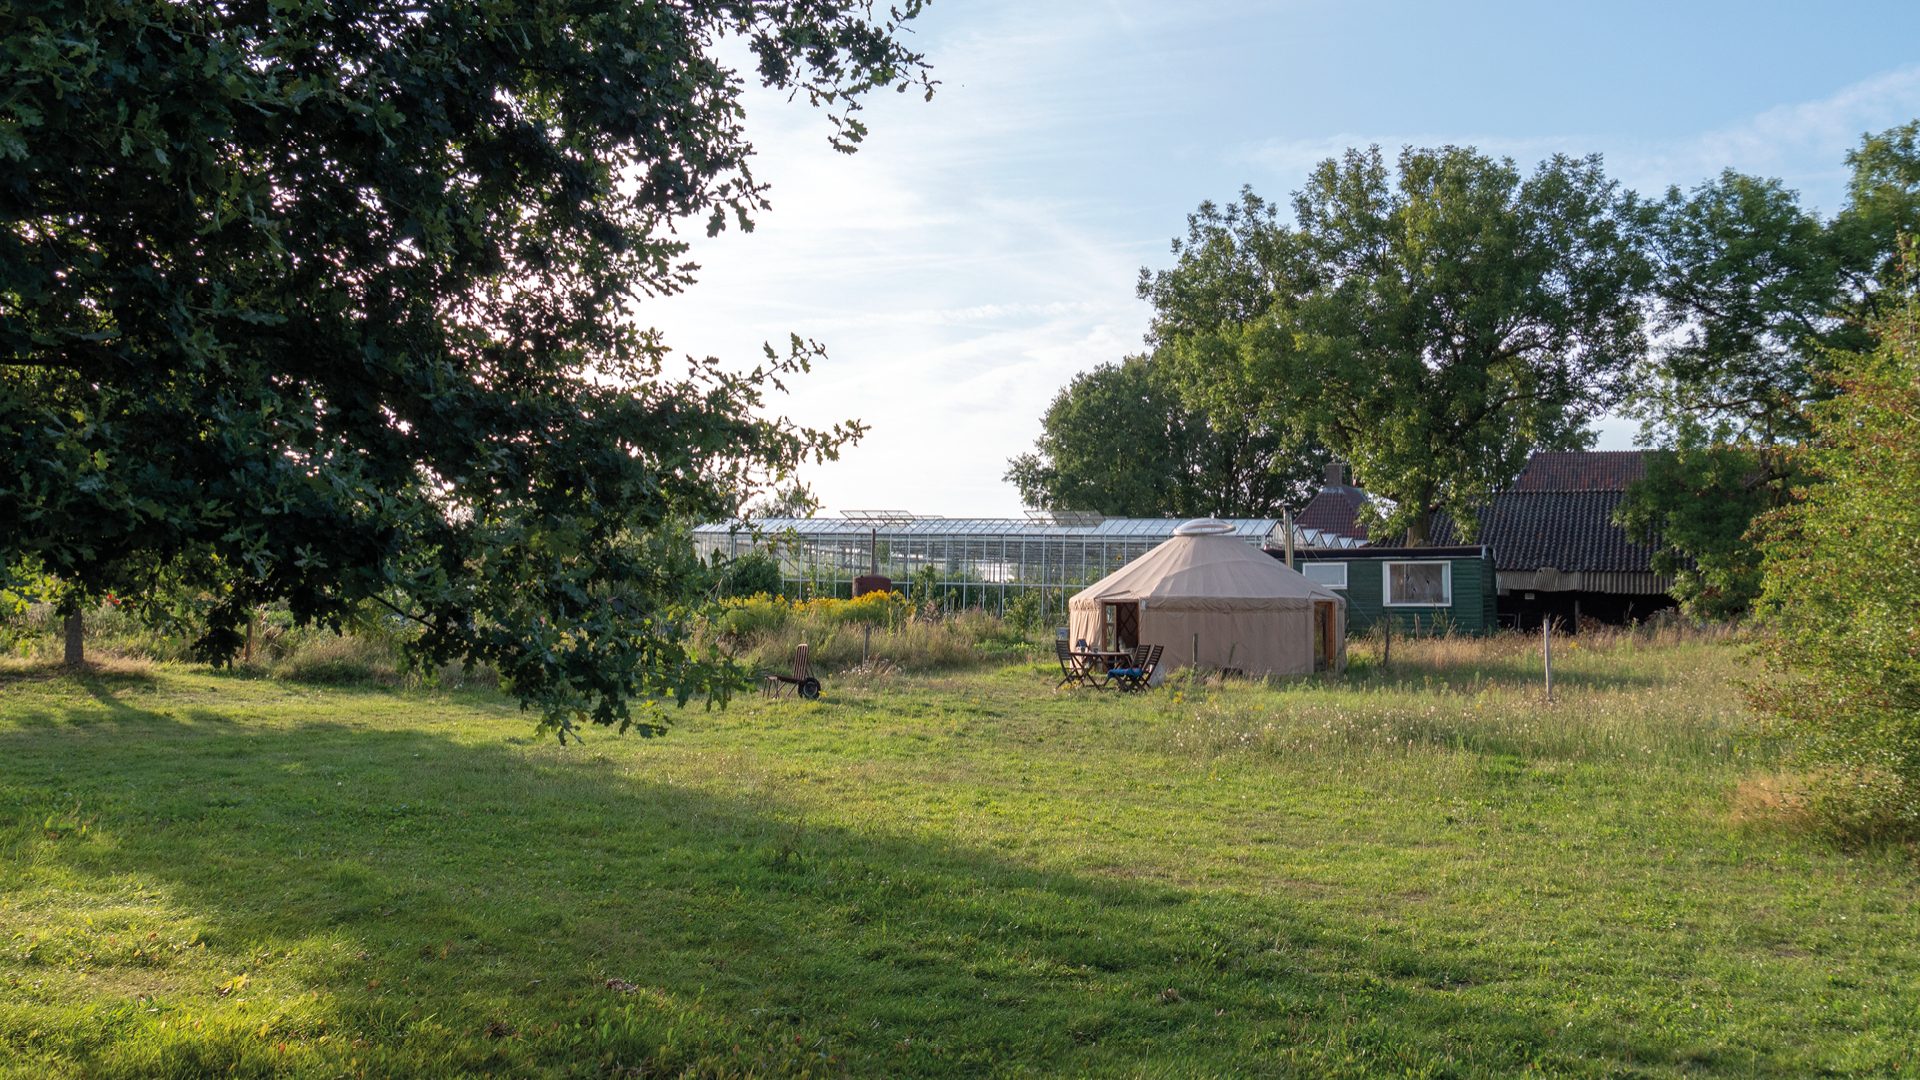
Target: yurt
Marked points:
1213	600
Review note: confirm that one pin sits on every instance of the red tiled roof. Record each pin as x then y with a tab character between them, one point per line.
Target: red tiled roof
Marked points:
1581	470
1334	509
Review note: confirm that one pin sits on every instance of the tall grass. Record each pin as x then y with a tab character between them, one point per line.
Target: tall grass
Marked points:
1621	699
879	629
369	652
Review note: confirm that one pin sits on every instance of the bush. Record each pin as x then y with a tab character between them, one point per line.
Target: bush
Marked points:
763	630
1841	594
338	660
1023	611
751	574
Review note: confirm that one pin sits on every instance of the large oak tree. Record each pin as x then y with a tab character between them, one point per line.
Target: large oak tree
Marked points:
1432	322
1756	299
331	302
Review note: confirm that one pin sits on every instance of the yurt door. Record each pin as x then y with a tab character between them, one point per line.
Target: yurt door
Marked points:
1121	625
1326	650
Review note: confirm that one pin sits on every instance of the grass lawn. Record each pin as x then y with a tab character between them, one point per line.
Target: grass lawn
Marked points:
1427	873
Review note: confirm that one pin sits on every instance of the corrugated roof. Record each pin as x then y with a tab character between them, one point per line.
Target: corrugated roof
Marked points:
1582	470
1566	530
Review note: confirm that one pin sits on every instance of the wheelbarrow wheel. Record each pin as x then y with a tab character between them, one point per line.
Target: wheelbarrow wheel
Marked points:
810	688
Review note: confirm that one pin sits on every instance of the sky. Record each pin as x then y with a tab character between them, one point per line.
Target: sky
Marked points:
983	247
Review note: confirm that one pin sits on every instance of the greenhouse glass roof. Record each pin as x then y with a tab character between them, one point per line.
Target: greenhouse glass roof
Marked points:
1037	526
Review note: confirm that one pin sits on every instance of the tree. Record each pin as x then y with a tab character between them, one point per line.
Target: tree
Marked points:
1696	505
1749	292
1433	327
1841	590
1118	440
1883	205
331	304
796	500
1753	295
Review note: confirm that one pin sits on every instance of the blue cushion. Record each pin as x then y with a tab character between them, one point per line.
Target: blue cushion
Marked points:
1132	672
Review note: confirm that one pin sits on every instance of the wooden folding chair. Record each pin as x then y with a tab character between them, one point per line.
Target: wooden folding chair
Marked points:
1075	669
1138	675
801	680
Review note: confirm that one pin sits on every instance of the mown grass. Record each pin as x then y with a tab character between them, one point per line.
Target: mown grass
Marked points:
1419	872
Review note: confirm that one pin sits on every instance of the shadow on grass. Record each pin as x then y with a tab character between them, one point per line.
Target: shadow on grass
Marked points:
463	907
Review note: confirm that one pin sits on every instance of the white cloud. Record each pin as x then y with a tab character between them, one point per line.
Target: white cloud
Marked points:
1804	144
981	248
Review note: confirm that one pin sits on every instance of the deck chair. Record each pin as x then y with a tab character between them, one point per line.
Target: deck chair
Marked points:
1137	676
1075	670
801	680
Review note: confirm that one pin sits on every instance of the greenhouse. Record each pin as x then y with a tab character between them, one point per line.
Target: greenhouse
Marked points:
967	562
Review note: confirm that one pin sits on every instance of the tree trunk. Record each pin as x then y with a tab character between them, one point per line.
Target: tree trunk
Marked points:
1417	529
76	650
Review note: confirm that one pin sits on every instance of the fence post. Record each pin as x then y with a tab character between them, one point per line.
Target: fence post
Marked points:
1546	653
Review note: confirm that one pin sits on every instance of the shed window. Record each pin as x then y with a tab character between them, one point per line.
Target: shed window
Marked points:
1331	574
1418	584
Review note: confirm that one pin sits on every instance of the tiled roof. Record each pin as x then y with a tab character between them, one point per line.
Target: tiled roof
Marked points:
1334	509
1566	530
1582	470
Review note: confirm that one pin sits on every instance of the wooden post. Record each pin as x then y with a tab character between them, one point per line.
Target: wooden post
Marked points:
1386	650
1546	653
866	640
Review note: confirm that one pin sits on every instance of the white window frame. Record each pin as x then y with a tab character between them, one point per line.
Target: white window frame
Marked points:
1340	566
1446	583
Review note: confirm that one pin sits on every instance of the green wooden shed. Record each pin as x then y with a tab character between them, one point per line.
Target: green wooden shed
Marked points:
1424	590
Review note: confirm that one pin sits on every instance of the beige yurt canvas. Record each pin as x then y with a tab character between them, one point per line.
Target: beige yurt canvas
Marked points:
1212	598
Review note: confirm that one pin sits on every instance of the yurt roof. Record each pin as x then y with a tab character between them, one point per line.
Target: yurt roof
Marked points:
1202	568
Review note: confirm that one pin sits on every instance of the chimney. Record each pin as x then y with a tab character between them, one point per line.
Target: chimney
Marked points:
1336	474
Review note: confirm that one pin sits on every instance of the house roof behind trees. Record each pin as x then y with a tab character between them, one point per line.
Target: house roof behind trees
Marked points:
1557	521
1335	508
1569	531
1582	470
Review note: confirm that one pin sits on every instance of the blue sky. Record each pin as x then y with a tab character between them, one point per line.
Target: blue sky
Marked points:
983	247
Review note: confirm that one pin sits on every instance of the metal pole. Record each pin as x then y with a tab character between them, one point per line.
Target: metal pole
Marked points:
1286	522
1005	571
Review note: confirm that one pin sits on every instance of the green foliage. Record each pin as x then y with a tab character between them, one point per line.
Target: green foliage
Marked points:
924	590
1024	611
1883	206
1841	591
1756	296
752	616
1118	440
763	630
1748	291
1696	506
750	574
1433	325
330	304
